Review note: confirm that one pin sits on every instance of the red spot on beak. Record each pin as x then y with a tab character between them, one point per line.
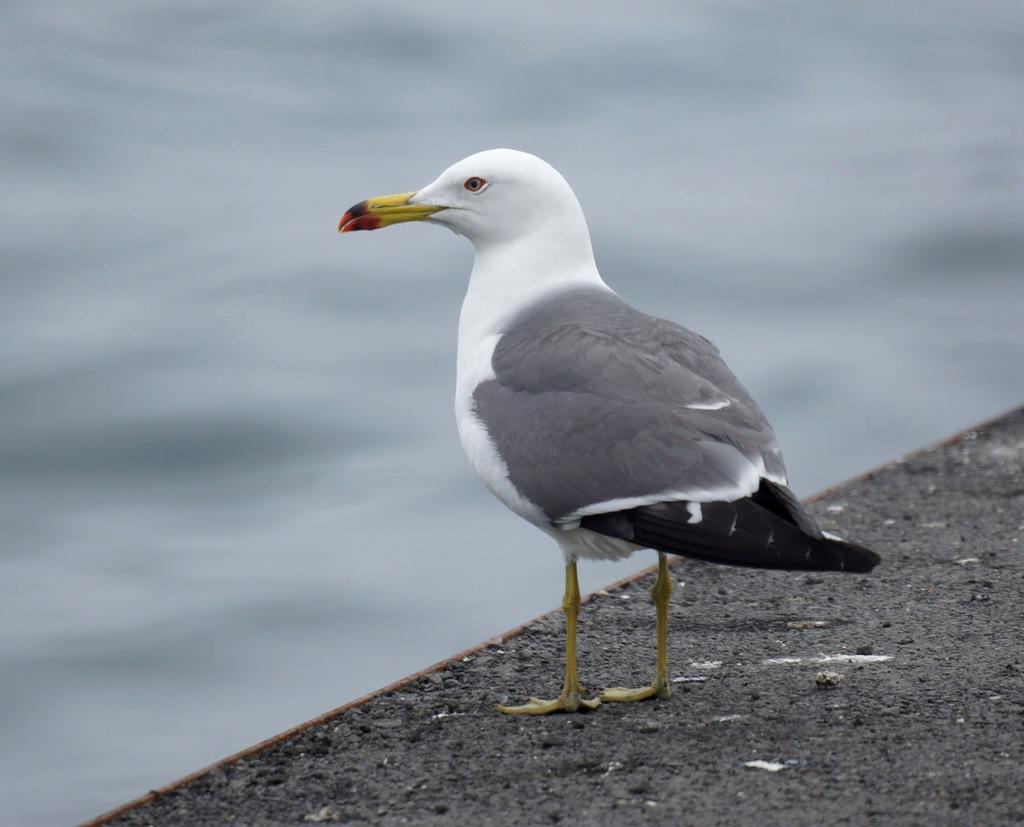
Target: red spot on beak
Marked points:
357	219
364	222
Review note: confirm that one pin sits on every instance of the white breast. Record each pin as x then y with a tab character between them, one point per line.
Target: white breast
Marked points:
504	281
474	367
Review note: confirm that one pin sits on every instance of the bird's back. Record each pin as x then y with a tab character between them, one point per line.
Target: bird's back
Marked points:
593	401
609	420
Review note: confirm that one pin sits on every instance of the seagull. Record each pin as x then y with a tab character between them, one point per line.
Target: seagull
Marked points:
609	429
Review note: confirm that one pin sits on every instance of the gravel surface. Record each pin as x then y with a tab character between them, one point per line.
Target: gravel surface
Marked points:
919	720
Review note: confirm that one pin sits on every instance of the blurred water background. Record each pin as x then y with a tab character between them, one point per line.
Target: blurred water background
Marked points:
231	491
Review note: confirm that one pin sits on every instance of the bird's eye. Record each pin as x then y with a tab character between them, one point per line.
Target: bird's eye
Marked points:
475	184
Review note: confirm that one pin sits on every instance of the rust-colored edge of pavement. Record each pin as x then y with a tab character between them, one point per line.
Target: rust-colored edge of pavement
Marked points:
153	795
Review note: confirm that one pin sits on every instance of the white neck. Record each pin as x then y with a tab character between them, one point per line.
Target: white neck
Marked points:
508	276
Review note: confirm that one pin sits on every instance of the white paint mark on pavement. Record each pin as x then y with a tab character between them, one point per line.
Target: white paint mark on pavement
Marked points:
771	766
840	658
807	624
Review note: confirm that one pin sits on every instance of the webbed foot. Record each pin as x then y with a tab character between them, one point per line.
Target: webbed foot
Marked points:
566	702
622	695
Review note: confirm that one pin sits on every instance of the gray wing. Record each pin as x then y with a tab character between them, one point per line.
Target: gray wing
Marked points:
596	406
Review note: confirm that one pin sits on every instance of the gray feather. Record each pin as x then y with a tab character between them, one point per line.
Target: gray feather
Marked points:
589	404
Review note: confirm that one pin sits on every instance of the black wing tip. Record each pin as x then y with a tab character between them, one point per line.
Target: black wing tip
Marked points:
855	558
739	533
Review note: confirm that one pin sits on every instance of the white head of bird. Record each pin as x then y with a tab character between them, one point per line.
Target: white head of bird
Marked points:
511	205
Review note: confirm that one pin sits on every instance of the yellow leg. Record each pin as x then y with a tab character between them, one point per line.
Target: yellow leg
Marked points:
569	700
660	594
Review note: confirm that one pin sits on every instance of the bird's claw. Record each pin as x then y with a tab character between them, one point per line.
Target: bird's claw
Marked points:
623	695
566	702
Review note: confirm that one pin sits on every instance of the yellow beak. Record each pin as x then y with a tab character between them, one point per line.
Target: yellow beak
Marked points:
383	211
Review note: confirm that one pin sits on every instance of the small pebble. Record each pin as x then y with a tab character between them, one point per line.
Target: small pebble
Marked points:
828	680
